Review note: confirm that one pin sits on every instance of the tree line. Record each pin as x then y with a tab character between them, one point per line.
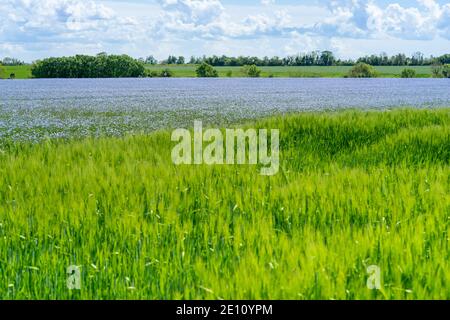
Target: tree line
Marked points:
117	66
315	58
11	62
359	70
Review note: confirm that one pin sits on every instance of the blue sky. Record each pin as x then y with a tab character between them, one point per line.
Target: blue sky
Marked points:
33	29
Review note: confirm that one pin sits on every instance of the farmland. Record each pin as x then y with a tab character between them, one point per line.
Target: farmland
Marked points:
21	72
295	72
356	188
188	71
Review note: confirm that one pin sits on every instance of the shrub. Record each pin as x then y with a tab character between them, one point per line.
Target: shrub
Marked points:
229	73
446	70
362	70
408	73
166	73
252	71
151	74
437	71
206	71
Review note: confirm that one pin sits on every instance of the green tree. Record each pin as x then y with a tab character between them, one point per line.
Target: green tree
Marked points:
82	66
12	62
362	70
251	71
171	60
2	71
327	58
181	60
206	71
151	60
446	70
444	59
408	73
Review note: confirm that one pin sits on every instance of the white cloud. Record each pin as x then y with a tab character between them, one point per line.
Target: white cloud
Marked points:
10	49
267	2
208	19
443	21
55	21
301	43
406	23
261	25
55	27
196	12
348	18
367	19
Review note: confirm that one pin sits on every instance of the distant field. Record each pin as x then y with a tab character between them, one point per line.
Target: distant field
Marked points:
188	71
21	72
294	72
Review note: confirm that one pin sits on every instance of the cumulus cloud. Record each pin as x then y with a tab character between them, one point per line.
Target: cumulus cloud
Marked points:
401	22
208	19
47	21
197	18
443	21
348	18
366	19
31	25
301	43
262	25
197	12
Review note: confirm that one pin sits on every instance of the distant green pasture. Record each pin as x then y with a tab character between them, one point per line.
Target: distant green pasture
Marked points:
294	72
188	71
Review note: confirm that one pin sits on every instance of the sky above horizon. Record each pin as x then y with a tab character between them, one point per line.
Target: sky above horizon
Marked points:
34	29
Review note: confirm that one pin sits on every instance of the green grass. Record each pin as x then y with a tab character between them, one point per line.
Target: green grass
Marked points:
356	189
21	72
188	71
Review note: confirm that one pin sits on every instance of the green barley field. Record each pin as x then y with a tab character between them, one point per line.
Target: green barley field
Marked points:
356	188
